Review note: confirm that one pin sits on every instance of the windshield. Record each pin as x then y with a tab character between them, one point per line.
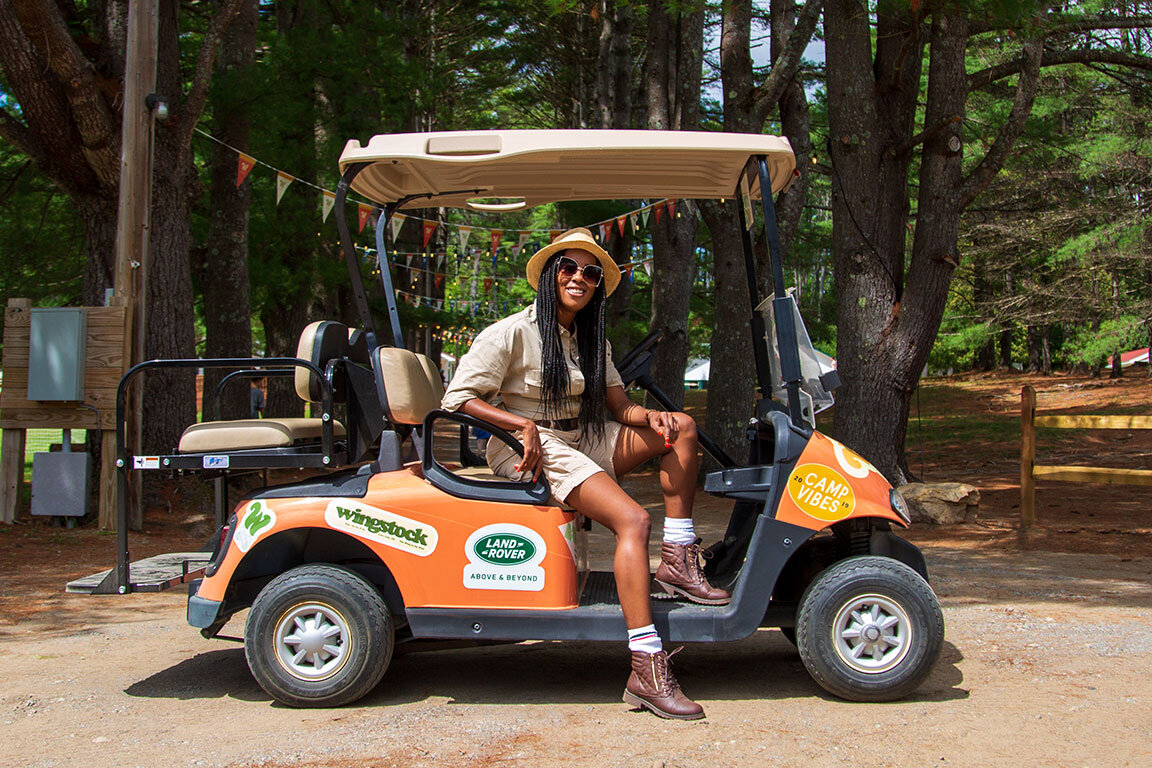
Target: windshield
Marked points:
814	364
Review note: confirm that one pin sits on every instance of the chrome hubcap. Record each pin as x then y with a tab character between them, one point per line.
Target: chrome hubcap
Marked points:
872	634
312	641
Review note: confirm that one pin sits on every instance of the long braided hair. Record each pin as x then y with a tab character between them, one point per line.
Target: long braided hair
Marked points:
589	328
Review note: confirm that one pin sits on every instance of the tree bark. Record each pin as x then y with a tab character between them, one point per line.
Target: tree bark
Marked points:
227	319
672	85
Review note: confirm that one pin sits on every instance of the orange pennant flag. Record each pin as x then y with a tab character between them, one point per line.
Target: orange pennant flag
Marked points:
439	279
244	167
496	235
429	228
363	212
657	210
487	284
620	224
671	208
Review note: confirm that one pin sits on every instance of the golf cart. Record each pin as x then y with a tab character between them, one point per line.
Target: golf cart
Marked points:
339	568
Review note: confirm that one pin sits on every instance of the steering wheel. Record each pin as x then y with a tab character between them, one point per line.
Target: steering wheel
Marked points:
637	359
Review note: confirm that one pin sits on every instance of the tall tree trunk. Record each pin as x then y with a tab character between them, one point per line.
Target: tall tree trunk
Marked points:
227	316
795	123
731	388
169	395
672	83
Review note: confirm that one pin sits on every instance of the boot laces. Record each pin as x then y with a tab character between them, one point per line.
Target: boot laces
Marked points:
666	680
692	561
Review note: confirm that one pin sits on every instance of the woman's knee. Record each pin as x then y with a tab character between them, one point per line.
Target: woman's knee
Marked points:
686	425
636	522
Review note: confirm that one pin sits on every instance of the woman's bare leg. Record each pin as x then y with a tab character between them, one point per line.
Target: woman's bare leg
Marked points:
678	467
601	499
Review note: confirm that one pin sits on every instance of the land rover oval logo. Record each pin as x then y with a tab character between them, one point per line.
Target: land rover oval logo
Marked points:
505	549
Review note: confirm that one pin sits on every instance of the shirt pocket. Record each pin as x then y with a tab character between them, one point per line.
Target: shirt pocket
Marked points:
575	381
533	384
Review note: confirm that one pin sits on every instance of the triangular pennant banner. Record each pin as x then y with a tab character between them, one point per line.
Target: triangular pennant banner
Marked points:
463	233
487	284
671	204
429	228
282	182
244	167
635	224
648	267
495	239
605	232
657	210
363	211
620	224
439	279
327	200
644	217
396	223
524	235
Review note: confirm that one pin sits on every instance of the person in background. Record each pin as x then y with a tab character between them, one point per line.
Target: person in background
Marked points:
256	399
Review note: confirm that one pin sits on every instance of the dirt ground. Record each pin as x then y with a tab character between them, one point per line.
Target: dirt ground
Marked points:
1049	636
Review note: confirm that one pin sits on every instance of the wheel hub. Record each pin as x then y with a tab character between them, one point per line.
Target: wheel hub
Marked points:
872	633
312	641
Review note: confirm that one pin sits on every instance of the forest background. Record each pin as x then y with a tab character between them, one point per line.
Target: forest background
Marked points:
973	189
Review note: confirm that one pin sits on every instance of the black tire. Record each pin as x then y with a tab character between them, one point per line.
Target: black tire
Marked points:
883	590
336	608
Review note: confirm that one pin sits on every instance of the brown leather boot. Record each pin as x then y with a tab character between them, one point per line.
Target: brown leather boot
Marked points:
679	574
651	686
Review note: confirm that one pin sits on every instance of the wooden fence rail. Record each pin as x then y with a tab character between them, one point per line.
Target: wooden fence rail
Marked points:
1030	470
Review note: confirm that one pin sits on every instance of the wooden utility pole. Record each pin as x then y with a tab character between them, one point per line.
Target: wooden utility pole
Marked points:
132	226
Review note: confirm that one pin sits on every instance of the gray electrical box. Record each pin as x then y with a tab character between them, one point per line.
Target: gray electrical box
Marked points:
56	354
60	484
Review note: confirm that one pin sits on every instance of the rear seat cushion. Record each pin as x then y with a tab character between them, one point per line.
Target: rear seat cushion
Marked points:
252	433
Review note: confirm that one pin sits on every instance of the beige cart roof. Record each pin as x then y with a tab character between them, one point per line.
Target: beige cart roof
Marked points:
498	169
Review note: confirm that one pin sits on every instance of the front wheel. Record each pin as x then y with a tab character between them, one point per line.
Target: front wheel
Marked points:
869	629
318	636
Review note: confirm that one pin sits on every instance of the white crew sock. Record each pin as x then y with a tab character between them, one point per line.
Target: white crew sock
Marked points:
679	530
645	639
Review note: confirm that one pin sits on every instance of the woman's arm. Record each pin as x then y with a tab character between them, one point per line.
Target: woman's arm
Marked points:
530	436
633	415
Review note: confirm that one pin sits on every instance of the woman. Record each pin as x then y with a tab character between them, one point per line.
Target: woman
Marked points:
551	369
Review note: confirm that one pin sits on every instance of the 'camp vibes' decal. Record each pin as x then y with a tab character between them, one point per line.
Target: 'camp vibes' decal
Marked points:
821	492
258	519
383	527
505	556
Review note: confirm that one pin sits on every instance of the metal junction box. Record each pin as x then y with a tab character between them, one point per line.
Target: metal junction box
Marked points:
56	354
60	484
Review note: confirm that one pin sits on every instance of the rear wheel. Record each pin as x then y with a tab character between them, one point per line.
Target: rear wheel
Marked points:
318	636
869	629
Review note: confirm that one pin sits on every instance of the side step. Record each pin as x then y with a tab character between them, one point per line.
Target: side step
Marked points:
152	574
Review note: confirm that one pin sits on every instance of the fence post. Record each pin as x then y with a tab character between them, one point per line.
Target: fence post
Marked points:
1027	456
12	472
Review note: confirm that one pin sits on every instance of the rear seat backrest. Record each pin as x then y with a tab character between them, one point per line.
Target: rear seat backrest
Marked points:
406	389
433	374
320	342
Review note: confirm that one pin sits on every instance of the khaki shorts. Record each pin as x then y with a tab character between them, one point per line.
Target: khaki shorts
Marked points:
568	459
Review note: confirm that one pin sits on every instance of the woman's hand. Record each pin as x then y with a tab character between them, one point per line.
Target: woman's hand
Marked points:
665	424
533	451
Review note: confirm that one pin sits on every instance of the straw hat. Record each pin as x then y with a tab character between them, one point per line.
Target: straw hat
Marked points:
579	239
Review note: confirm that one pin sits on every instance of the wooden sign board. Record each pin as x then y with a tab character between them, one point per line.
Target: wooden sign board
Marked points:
105	355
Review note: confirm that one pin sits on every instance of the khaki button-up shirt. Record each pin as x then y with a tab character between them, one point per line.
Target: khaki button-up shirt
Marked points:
505	362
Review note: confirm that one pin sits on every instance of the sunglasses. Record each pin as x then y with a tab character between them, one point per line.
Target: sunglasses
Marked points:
591	273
